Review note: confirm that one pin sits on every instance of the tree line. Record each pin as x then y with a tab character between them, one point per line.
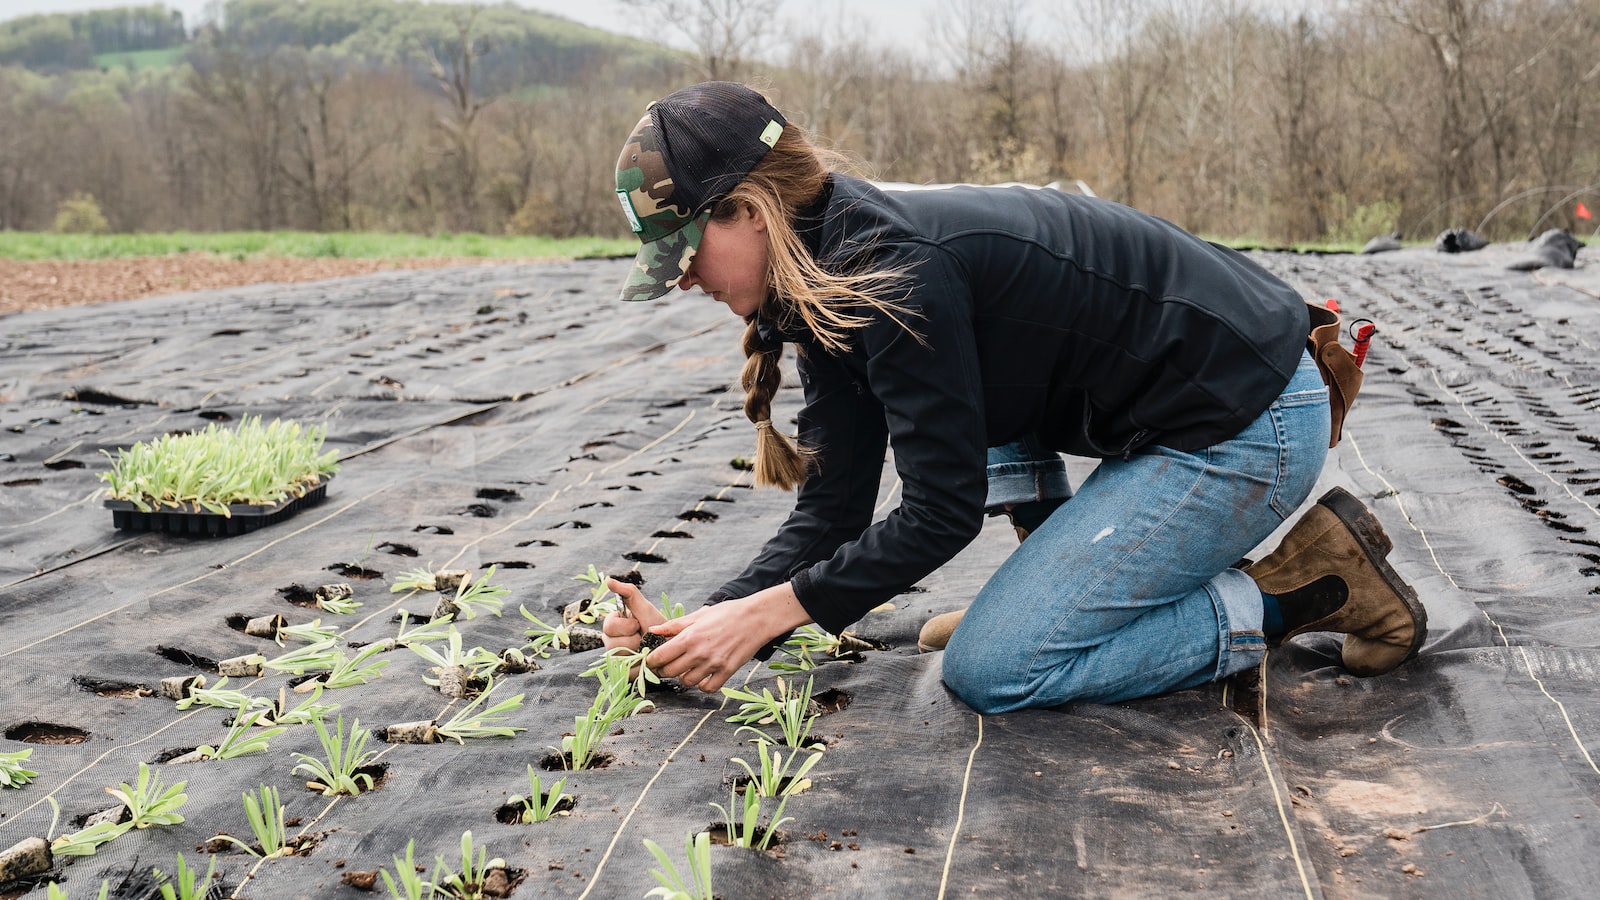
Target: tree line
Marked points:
1332	123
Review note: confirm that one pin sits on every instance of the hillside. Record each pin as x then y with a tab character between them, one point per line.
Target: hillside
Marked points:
528	48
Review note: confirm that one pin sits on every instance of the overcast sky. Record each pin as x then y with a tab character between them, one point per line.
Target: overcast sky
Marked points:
902	22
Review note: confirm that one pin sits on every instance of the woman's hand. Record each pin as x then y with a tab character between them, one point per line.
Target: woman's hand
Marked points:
624	628
706	647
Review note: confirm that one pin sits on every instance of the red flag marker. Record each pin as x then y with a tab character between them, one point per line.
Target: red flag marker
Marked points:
1332	304
1582	211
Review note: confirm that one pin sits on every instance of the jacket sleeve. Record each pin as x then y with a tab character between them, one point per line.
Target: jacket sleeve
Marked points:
923	392
845	425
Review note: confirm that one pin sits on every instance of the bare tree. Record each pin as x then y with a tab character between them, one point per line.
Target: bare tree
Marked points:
726	34
454	77
1128	44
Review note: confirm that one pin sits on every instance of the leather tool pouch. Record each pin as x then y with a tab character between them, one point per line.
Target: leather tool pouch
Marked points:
1337	365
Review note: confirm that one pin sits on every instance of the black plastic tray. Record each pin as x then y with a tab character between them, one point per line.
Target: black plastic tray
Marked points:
243	518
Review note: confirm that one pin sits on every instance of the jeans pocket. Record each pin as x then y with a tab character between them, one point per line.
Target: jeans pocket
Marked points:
1301	425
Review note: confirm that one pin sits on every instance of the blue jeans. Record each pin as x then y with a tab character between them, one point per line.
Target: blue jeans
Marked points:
1126	591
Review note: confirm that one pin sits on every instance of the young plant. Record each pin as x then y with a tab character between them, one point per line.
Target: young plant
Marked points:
539	805
148	801
240	739
468	883
85	841
307	712
266	823
673	885
544	638
410	886
480	593
213	468
339	604
615	700
223	697
742	816
12	774
775	779
478	662
810	641
474	722
338	775
625	660
319	657
789	710
311	632
601	603
430	630
186	887
347	672
414	580
53	891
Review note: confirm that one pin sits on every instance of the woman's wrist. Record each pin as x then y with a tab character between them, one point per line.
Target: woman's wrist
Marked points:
775	611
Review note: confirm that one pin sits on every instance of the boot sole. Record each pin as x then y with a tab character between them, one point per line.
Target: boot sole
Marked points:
1375	543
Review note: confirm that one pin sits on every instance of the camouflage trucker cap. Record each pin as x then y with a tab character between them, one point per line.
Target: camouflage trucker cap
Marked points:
690	150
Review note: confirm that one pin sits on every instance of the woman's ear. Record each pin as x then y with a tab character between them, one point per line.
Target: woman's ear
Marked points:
757	220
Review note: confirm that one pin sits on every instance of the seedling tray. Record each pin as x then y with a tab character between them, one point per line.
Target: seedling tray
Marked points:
242	518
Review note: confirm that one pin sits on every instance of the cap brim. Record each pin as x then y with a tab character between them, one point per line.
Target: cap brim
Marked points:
663	262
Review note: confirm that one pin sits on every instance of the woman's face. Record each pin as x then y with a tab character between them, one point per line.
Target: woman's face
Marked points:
731	263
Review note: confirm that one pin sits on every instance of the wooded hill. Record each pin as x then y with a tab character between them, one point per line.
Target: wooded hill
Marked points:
1336	124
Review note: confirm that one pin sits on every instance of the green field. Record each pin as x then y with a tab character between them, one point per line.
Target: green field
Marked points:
138	60
29	245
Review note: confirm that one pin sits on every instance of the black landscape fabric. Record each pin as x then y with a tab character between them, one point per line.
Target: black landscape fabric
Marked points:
517	416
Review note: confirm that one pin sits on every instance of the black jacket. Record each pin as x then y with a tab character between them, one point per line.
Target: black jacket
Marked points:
1100	328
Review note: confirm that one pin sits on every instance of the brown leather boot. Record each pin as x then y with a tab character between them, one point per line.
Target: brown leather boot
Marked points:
1334	559
935	633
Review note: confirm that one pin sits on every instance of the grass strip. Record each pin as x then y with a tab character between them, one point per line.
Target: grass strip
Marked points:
241	245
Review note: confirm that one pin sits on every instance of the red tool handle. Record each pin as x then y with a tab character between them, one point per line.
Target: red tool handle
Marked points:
1364	330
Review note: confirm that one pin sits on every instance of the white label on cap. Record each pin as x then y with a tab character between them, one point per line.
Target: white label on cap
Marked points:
627	210
770	135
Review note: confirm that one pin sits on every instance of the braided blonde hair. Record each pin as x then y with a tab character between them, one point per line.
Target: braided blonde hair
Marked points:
789	178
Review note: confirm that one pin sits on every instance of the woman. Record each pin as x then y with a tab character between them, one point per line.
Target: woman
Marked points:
979	332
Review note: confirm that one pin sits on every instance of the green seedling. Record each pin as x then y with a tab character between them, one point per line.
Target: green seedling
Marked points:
789	710
614	701
742	816
241	739
210	469
53	891
430	630
338	775
148	801
810	642
347	672
12	773
774	779
539	805
478	662
319	657
338	604
673	885
414	580
602	602
473	721
671	609
265	816
186	887
312	632
85	841
410	886
222	697
628	661
468	883
480	593
544	638
307	712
